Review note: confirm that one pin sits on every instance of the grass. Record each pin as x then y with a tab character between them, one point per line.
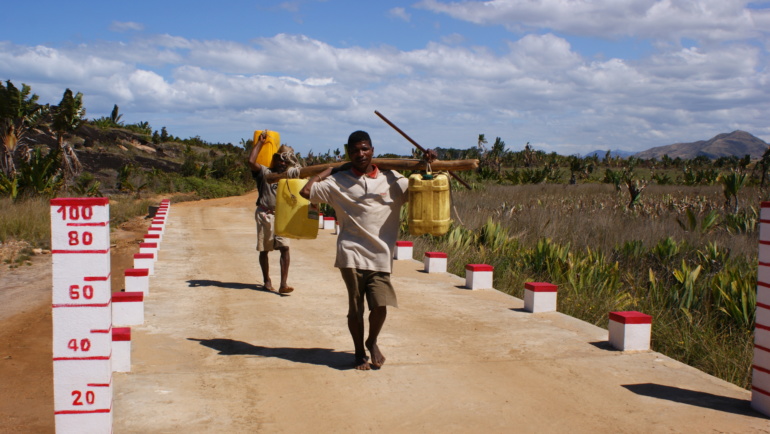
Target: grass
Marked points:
696	276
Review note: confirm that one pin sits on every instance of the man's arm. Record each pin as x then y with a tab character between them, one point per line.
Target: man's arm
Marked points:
255	152
305	192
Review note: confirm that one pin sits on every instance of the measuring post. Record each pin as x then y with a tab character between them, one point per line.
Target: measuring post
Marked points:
81	315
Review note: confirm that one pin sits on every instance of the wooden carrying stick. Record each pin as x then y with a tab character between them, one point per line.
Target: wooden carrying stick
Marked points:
384	164
416	145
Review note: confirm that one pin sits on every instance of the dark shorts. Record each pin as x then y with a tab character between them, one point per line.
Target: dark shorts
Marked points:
375	285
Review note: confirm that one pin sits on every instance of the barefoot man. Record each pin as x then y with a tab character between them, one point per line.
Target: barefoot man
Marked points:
267	241
367	202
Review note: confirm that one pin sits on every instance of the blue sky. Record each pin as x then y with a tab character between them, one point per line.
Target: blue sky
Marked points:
569	76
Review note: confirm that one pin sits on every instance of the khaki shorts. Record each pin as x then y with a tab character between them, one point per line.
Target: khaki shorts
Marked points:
374	284
266	239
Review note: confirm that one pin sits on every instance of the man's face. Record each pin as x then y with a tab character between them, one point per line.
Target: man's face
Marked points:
360	155
278	165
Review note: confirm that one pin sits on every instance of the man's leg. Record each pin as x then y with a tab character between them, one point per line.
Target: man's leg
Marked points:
376	321
285	260
354	284
265	265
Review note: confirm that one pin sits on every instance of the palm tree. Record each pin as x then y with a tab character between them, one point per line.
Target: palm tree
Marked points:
19	113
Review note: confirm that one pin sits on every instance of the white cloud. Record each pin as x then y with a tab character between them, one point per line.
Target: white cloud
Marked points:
125	26
705	20
400	13
540	90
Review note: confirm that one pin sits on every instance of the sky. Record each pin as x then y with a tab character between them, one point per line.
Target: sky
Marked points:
566	76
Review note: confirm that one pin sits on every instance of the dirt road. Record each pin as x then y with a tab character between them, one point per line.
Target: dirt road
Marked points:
219	354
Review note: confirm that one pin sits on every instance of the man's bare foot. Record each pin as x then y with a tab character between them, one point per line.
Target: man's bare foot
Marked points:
378	359
362	363
285	289
269	286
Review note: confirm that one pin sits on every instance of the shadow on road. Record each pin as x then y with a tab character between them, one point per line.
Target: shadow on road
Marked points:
313	356
693	397
230	285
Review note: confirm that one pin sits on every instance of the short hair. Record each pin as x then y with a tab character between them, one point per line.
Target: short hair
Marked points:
358	136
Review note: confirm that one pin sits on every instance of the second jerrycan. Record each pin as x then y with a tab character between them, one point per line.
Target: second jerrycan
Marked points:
429	204
295	216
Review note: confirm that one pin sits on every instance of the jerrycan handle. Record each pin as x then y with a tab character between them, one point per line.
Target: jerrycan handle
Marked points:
293	196
428	175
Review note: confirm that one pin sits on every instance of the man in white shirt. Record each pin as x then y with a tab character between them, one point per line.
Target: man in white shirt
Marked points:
367	203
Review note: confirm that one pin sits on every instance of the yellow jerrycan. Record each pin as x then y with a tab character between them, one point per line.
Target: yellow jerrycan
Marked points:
429	204
270	147
295	216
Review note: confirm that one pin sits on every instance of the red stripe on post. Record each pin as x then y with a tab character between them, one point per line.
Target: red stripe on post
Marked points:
80	305
435	254
765	204
97	278
404	243
761	369
102	224
760	347
81	201
129	296
631	317
82	251
766	264
762	391
144	255
121	334
540	286
763	306
328	218
760	326
106	410
148	245
137	272
479	267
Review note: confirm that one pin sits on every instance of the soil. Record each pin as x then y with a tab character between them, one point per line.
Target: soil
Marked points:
26	370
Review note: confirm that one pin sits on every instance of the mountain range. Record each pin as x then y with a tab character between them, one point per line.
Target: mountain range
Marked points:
738	143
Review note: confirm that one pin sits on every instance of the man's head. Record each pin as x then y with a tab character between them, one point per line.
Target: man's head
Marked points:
282	159
360	150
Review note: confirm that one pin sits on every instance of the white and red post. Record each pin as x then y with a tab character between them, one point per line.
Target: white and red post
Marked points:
760	378
81	315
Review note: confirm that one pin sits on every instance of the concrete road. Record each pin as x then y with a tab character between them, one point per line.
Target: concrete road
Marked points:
218	354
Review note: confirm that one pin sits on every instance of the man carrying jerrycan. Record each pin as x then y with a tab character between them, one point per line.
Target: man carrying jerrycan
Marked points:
282	160
368	202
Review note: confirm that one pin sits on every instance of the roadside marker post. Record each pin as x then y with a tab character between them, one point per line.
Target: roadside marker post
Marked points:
149	248
329	223
760	373
478	276
137	280
145	260
127	309
435	262
320	220
630	331
121	349
540	297
81	315
404	250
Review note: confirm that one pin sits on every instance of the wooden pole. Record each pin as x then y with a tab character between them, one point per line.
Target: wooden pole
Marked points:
385	164
416	145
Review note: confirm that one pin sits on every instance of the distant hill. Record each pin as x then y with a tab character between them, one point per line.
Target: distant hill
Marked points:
738	143
616	153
